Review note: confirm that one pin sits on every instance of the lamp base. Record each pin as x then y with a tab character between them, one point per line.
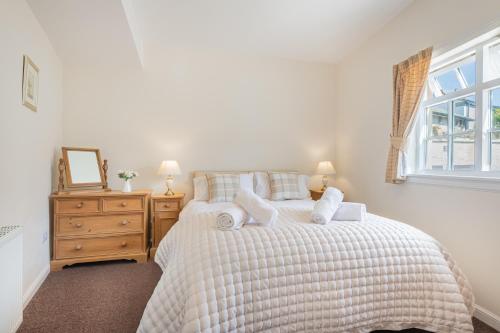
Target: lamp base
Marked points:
325	183
170	183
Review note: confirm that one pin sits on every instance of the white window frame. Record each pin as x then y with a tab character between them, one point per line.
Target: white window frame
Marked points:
481	177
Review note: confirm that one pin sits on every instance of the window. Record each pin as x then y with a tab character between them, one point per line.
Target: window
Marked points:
458	125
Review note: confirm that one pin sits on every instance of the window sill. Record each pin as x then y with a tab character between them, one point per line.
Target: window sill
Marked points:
490	184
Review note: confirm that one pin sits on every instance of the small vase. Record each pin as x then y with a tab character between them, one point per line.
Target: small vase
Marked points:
127	186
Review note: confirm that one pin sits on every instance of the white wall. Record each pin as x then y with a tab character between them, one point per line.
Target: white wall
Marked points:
28	140
467	222
207	110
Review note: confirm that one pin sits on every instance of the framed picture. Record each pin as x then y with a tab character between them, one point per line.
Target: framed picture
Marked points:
30	84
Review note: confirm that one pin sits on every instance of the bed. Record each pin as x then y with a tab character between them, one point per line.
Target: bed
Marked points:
301	277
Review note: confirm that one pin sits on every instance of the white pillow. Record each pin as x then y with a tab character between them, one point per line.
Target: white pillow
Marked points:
200	184
263	185
304	186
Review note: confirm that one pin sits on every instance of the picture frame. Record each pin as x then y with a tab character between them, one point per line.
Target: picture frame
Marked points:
30	84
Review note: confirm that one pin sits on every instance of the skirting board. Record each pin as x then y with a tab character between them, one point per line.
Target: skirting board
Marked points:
487	317
28	295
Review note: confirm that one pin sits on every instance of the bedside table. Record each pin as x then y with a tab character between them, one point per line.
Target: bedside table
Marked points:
316	194
165	213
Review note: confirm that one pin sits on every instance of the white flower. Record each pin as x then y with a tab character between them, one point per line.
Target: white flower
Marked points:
127	174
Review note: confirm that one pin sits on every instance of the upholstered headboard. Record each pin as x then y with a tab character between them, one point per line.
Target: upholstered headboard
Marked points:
204	172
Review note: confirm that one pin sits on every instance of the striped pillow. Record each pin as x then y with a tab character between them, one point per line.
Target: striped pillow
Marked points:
222	187
284	185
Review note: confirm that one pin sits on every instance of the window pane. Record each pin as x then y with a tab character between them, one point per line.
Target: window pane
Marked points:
464	114
468	71
495	151
437	154
439	119
454	77
495	108
449	81
492	70
463	151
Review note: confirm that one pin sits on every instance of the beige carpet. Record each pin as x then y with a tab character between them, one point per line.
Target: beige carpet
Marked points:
102	297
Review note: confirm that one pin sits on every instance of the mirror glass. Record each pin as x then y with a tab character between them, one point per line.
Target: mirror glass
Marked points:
84	167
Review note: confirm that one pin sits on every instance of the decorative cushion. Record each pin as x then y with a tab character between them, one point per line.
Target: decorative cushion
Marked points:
263	185
284	185
222	187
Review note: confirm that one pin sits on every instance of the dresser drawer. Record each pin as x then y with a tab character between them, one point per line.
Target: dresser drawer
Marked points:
167	206
122	204
87	225
77	206
88	247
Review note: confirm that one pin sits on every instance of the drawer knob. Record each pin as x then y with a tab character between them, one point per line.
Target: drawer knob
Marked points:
167	206
124	222
78	247
124	244
78	225
80	205
124	204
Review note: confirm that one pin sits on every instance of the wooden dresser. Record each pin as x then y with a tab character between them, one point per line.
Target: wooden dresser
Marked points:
165	212
95	226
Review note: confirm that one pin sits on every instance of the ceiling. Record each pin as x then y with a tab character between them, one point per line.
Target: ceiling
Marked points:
87	32
123	32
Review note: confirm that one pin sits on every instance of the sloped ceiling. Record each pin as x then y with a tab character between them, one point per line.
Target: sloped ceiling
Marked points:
123	32
88	32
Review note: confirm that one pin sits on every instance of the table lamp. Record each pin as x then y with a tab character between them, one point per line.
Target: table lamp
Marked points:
169	169
325	168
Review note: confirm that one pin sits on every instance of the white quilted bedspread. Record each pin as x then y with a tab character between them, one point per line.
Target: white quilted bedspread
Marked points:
303	277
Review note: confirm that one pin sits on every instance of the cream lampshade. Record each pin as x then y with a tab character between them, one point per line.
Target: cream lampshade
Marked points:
325	168
169	169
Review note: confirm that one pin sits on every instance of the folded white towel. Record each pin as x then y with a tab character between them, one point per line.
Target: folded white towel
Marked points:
325	208
261	211
350	211
333	194
231	218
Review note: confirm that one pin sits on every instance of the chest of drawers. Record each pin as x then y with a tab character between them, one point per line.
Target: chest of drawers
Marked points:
96	226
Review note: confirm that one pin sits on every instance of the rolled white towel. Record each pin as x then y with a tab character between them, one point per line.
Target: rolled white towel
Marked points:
333	194
323	211
262	212
231	218
350	211
325	208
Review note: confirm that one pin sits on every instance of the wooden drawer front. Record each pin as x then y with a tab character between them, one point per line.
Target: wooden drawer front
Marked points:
88	247
122	204
77	206
167	206
86	225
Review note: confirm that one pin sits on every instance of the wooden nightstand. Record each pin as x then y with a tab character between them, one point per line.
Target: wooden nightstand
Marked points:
165	212
316	194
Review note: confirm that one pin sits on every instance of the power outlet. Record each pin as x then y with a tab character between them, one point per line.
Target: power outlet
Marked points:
45	236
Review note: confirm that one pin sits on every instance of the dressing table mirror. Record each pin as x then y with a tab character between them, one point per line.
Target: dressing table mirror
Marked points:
83	169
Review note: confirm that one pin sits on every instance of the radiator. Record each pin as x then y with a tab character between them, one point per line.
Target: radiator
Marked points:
11	278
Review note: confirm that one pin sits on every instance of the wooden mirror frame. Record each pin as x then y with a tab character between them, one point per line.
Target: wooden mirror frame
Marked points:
64	167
